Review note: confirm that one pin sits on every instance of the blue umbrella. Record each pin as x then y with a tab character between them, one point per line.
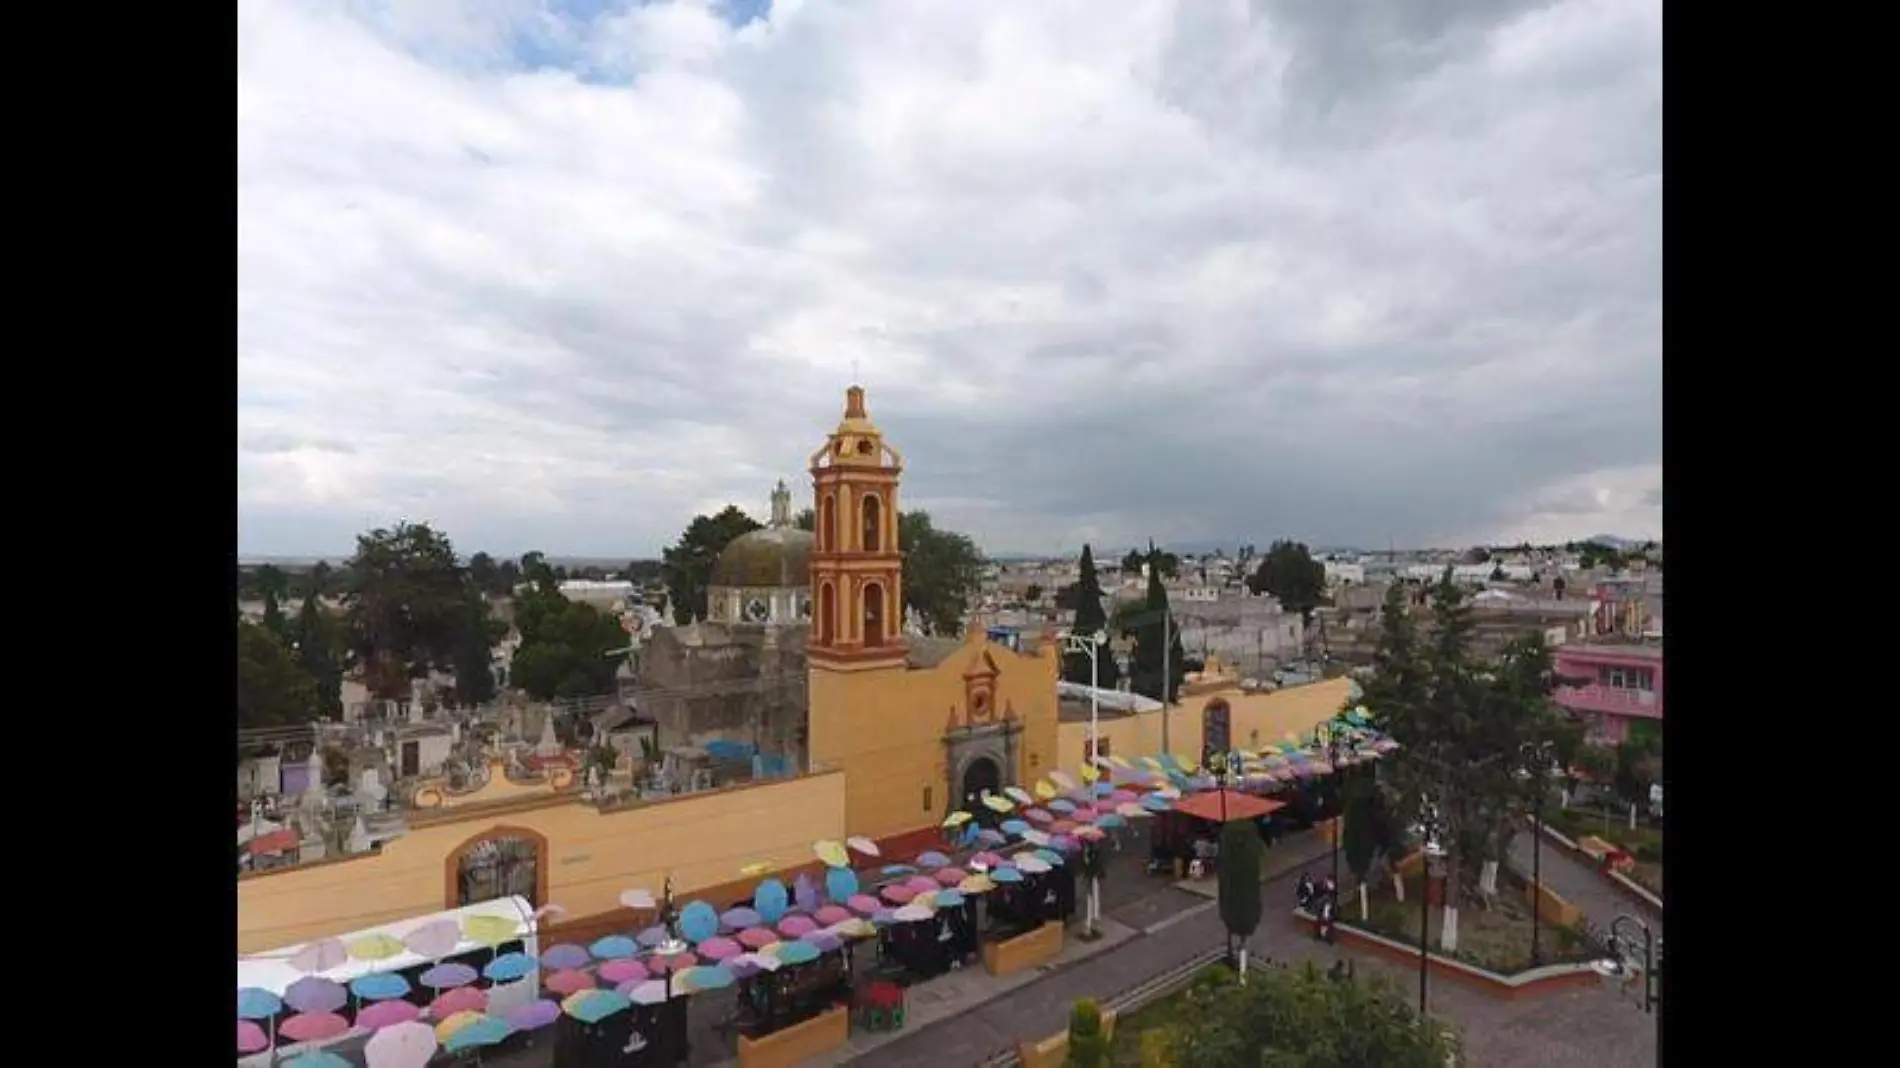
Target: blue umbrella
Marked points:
486	1031
797	953
706	977
840	884
508	967
770	900
1101	789
256	1003
992	836
1062	804
1014	826
1050	856
593	1006
740	918
933	859
565	956
445	976
884	917
1155	803
1006	874
317	1059
380	986
1110	821
971	835
948	899
614	947
699	922
896	869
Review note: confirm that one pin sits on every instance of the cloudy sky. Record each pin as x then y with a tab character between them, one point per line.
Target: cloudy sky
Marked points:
559	274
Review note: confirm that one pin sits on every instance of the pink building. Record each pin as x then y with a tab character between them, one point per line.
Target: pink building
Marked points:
1626	686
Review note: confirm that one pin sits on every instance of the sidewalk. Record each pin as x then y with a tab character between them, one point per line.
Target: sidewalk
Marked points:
1577	883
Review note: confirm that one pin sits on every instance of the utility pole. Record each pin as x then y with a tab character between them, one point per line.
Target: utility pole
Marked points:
1167	642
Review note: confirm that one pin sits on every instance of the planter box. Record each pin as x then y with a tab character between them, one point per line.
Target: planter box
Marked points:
1326	829
788	1046
1051	1052
1541	980
1551	907
1039	946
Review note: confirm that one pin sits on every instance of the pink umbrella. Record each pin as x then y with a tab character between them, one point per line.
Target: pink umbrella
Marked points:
311	1026
662	965
461	999
404	1045
434	940
251	1037
1062	827
619	971
921	884
1120	796
898	893
320	956
863	904
1084	813
386	1014
1036	815
987	859
793	926
831	914
950	876
757	937
568	982
716	949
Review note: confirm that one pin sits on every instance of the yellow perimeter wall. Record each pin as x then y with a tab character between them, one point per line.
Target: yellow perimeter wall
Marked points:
885	729
1257	719
592	856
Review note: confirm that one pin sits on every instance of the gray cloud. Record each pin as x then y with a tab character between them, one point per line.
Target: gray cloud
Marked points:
1351	272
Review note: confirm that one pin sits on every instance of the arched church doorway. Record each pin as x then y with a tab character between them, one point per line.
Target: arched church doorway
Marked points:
980	775
873	615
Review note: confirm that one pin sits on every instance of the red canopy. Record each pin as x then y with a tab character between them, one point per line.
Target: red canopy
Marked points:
1240	806
275	842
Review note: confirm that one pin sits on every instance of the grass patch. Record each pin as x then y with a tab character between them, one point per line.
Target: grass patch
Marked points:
1497	939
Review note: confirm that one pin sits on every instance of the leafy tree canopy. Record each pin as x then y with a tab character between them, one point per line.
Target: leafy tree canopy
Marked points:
1290	573
1152	632
404	607
273	690
1084	597
1288	1017
320	653
1240	878
942	568
688	564
565	647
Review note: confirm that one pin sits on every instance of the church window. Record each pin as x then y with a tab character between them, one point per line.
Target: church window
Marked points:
827	614
873	614
873	523
864	447
828	524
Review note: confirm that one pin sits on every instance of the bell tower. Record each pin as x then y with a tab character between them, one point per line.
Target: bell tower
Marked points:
857	572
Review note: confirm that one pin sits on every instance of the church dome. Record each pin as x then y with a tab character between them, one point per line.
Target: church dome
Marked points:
777	556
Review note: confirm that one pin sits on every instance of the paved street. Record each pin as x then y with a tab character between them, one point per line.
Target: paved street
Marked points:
1571	880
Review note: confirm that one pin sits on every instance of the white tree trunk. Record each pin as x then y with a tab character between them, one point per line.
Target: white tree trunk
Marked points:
1243	964
1365	907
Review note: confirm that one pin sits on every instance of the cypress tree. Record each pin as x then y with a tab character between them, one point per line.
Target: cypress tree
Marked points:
1146	669
1090	619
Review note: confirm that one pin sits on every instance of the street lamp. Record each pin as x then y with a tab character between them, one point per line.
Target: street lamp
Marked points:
1430	829
1090	644
1329	748
1624	949
1536	757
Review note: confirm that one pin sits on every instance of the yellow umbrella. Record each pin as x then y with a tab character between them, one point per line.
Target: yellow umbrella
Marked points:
375	947
1046	789
489	931
977	884
956	819
1190	765
854	928
998	803
1089	773
447	1028
831	853
756	868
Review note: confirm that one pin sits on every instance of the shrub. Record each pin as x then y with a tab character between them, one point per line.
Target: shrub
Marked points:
1088	1046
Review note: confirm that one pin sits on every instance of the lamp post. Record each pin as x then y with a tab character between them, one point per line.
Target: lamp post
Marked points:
1329	748
1624	949
1430	830
1535	767
1091	644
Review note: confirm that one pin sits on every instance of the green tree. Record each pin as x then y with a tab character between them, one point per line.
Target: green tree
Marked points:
689	562
270	581
535	569
1151	628
1291	575
404	606
1088	1043
1360	837
1133	561
1634	771
806	520
1085	595
483	573
317	644
475	648
1032	594
565	647
1240	879
274	619
273	690
1300	1019
942	568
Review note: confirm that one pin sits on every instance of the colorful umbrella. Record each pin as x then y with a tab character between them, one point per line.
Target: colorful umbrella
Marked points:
1066	843
1111	821
403	1045
461	999
379	986
922	884
659	965
313	993
317	1058
976	884
862	844
386	1014
1090	773
757	937
1032	865
1019	795
509	967
1063	779
651	992
1007	874
862	904
1014	826
1090	832
567	955
897	893
705	977
796	953
998	803
1037	815
1062	827
883	917
250	1037
1062	804
739	919
956	819
1036	838
593	1006
805	893
1046	789
825	940
1049	856
448	976
650	937
435	939
896	869
313	1026
832	853
770	900
620	971
991	836
569	982
617	947
840	883
491	931
950	876
793	926
320	956
912	914
717	949
485	1031
949	899
446	1028
533	1015
256	1003
932	859
854	928
831	914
